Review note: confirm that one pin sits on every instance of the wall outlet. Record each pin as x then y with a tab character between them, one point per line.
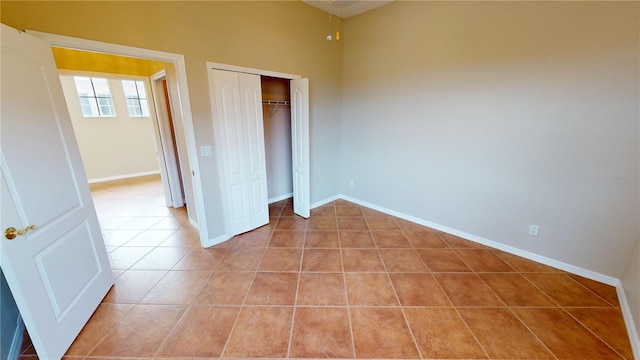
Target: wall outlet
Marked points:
533	230
351	183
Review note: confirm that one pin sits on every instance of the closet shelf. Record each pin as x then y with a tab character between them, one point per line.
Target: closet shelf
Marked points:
275	104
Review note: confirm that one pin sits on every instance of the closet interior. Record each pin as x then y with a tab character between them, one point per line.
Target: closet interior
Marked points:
276	111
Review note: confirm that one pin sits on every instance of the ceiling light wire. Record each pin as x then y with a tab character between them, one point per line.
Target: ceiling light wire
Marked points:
329	37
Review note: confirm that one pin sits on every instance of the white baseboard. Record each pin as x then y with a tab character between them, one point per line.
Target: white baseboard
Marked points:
125	176
494	244
325	201
16	344
634	337
280	198
194	224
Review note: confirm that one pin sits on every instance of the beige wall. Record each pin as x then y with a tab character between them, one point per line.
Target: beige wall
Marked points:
631	283
113	147
489	117
287	36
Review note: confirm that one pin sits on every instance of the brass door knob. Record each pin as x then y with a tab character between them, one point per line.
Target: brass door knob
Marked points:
11	232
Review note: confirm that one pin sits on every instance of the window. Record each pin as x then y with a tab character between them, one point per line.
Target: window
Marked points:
95	97
136	96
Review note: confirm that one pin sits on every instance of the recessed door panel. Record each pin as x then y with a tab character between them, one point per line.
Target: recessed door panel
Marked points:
67	277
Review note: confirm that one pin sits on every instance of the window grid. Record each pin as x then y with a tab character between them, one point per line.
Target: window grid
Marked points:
136	98
94	102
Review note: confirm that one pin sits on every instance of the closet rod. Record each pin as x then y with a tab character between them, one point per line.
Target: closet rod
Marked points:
275	104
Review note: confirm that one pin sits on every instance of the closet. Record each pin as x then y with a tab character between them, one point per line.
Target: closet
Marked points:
276	112
260	157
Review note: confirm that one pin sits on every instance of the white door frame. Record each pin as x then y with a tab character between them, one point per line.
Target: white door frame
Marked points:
221	152
182	110
167	152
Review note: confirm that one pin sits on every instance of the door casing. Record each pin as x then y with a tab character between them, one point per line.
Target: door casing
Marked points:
168	151
179	95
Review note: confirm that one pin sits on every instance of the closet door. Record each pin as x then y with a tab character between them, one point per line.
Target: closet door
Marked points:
238	124
300	146
251	98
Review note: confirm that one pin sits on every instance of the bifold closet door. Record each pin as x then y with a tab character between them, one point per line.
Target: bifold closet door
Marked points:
240	135
300	146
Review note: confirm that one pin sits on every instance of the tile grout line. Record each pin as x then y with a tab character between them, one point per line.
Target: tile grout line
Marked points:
532	333
244	299
395	293
455	308
592	332
346	290
295	300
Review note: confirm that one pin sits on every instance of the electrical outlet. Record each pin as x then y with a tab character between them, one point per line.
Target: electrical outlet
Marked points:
351	183
533	230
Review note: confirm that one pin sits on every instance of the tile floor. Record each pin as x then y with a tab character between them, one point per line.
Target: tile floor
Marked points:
349	282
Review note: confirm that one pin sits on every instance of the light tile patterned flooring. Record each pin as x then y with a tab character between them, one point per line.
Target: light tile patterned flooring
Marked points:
349	282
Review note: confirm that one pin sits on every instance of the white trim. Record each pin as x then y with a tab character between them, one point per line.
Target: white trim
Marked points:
325	201
125	176
184	108
227	67
167	152
157	135
16	343
627	315
280	198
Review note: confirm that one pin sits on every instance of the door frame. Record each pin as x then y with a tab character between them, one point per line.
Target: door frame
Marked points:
179	94
221	151
168	153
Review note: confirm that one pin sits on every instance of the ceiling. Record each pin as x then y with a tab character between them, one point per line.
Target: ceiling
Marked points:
346	8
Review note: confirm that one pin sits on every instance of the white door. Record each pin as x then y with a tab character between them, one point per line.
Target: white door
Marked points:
251	98
238	123
167	149
59	271
300	146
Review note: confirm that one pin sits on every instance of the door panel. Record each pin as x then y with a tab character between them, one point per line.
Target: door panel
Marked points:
65	281
256	160
59	191
237	104
300	144
230	135
59	272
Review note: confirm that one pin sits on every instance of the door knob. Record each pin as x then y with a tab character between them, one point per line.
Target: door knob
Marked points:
11	232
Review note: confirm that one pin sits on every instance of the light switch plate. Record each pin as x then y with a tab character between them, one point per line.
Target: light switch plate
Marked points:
205	150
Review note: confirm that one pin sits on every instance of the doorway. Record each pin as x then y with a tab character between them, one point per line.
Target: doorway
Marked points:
179	95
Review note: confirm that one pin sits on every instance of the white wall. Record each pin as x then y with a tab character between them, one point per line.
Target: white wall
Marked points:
489	117
113	147
277	138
